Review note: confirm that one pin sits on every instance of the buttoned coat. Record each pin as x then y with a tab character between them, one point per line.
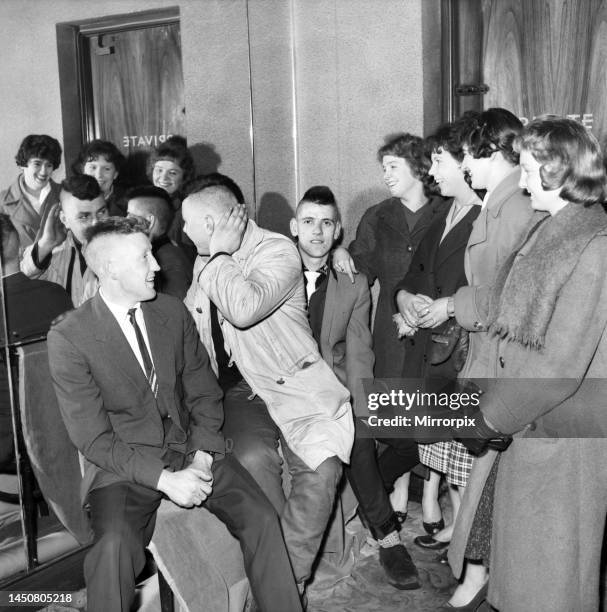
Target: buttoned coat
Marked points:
551	490
497	231
345	336
382	250
108	407
26	220
437	270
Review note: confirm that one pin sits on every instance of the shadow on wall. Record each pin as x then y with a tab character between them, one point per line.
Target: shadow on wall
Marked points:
355	209
206	158
275	213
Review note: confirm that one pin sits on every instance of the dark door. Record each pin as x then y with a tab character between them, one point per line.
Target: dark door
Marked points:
129	82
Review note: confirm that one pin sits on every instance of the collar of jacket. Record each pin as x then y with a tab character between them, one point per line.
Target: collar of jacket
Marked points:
503	192
526	288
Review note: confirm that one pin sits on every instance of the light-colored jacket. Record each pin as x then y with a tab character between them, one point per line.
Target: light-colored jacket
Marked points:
496	232
260	299
83	286
26	220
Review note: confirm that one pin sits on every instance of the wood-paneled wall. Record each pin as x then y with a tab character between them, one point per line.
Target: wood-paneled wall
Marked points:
547	56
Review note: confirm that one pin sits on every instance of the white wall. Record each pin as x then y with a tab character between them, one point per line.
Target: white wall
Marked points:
329	79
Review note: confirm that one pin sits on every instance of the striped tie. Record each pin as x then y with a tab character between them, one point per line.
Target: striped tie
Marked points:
150	371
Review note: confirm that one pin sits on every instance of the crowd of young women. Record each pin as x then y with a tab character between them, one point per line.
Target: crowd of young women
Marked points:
501	289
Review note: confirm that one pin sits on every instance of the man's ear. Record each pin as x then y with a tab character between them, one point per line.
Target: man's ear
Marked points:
337	232
62	216
209	224
293	227
152	222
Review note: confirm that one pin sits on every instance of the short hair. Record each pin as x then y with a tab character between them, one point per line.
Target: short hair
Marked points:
9	239
214	179
118	226
570	158
174	149
163	212
99	148
495	130
451	137
41	146
82	186
105	228
320	194
413	150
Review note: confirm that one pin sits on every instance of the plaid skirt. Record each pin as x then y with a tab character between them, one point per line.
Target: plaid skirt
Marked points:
449	458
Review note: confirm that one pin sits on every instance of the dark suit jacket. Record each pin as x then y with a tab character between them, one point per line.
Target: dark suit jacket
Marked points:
345	337
437	270
175	275
108	407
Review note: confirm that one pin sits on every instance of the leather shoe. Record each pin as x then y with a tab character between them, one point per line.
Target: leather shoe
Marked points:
399	567
429	543
472	606
432	528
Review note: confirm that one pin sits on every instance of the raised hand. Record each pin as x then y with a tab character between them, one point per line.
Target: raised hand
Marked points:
53	232
228	231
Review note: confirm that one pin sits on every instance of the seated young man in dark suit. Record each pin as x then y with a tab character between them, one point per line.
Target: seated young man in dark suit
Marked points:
153	205
142	405
339	314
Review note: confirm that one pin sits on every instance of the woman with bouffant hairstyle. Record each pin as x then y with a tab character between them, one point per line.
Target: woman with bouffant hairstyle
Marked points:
548	314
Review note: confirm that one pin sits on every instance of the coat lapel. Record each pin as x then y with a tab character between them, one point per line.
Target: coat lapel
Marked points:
163	355
108	331
457	237
328	317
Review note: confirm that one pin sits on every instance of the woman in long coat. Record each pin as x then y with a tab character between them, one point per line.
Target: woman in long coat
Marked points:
548	316
492	165
436	272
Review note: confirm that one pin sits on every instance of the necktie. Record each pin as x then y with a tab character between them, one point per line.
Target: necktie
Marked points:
311	278
150	371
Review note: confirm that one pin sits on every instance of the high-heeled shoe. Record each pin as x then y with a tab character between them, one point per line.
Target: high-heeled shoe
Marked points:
435	527
473	605
427	542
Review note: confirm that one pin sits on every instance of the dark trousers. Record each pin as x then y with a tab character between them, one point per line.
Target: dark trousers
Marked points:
305	513
123	517
371	477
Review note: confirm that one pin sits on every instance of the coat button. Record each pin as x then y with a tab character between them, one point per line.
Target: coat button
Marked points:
502	362
532	426
281	381
410	248
199	310
478	325
421	267
439	290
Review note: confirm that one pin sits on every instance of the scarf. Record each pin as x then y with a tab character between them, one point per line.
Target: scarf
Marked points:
527	286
